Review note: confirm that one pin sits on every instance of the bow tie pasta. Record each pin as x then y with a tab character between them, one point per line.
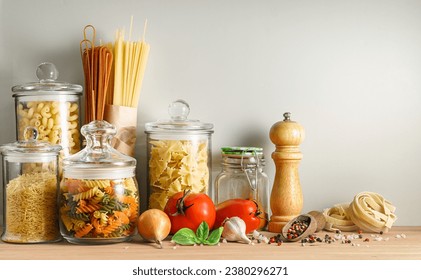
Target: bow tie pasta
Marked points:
177	165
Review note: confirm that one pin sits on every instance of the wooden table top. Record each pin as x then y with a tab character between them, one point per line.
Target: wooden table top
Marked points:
407	247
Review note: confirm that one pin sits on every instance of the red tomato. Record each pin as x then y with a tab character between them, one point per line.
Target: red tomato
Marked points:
189	210
244	208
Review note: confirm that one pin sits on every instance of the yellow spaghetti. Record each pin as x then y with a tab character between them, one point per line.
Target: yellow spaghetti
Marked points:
130	59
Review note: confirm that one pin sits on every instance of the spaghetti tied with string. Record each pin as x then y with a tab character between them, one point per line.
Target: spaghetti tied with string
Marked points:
97	65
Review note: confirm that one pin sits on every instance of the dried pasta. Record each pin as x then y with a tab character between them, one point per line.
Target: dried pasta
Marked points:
31	208
57	123
174	166
89	209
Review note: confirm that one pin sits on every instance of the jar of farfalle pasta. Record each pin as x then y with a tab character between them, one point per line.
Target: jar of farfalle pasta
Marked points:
99	197
179	155
30	176
52	107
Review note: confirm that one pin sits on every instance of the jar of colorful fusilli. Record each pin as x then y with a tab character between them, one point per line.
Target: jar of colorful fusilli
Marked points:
98	198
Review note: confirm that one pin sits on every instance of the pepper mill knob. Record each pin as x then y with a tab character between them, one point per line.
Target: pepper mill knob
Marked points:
286	199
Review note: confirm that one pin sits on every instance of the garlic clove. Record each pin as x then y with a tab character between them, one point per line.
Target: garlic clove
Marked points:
235	230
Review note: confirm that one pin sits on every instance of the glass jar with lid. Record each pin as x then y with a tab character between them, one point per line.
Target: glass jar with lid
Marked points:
52	107
179	155
242	176
30	176
98	198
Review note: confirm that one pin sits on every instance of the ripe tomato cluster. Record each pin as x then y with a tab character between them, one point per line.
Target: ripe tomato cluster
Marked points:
188	210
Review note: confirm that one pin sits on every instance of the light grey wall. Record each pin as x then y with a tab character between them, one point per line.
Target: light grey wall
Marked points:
349	71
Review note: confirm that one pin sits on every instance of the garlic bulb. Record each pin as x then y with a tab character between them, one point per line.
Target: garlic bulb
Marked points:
235	230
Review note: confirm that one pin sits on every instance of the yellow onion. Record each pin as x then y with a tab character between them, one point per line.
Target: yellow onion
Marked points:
154	226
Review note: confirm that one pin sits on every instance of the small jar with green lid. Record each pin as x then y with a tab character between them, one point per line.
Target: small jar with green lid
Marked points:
242	176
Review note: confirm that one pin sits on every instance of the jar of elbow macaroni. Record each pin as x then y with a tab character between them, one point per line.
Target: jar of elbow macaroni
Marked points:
179	155
52	107
98	197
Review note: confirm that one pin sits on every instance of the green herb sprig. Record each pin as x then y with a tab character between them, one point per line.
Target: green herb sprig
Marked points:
186	236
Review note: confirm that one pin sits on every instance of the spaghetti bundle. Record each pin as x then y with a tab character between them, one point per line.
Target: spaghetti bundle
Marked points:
129	67
97	65
130	59
113	80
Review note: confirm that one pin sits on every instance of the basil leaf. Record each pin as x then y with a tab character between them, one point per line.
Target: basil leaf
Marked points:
214	237
185	236
202	232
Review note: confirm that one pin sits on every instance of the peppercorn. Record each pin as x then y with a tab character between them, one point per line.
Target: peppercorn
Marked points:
366	240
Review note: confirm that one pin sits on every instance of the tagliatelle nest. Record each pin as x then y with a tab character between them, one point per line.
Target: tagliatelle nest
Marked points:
371	212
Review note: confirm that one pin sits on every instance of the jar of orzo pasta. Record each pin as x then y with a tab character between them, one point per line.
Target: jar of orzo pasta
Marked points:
99	197
179	155
30	176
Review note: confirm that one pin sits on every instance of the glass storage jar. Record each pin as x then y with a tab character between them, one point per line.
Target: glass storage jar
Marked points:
50	106
179	155
30	176
99	197
242	176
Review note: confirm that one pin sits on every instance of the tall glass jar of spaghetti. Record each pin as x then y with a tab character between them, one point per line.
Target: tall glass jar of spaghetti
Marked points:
98	197
30	176
52	107
179	155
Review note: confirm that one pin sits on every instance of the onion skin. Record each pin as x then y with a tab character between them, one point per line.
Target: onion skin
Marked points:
154	225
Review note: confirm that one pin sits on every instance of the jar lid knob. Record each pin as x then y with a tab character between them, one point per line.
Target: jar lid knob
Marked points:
30	134
179	110
47	72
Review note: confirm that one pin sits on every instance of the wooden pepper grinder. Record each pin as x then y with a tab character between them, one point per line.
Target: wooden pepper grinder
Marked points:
286	199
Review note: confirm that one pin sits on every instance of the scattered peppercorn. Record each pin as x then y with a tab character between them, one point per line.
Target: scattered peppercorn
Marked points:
366	240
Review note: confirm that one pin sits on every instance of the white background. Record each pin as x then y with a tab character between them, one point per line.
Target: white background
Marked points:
349	71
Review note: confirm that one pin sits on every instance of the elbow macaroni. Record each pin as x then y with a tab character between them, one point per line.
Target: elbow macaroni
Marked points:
52	121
